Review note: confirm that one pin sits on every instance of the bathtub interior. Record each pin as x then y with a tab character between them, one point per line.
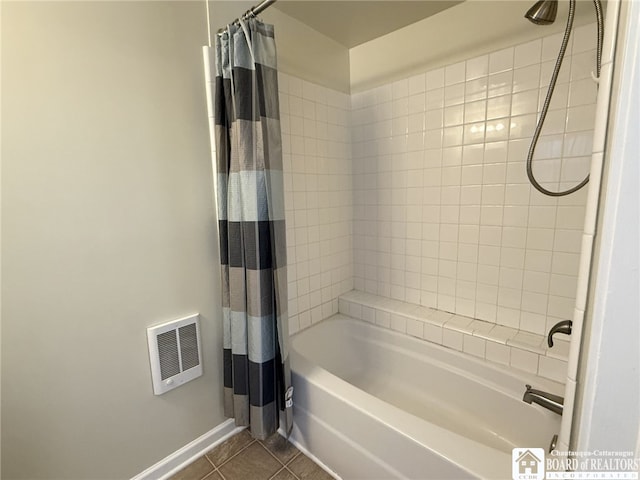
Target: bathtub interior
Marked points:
471	398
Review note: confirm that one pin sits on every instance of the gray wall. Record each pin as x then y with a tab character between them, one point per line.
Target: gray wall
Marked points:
108	226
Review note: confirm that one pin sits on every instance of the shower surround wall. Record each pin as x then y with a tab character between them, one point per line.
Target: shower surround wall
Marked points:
416	190
443	213
316	143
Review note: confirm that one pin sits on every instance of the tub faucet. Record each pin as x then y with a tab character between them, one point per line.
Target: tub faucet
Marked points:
560	327
552	402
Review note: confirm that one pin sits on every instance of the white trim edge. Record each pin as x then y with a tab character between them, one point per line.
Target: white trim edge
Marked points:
315	459
190	452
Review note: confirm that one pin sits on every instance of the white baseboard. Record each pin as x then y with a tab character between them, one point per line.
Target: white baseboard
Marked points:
190	452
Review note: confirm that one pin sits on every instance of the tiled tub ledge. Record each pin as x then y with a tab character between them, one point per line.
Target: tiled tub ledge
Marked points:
495	343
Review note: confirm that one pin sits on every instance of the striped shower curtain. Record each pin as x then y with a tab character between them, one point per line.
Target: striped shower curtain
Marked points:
250	203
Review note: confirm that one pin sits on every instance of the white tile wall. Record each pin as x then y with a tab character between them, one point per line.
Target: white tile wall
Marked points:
316	147
443	213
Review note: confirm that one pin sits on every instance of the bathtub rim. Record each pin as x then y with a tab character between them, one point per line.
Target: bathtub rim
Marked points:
519	376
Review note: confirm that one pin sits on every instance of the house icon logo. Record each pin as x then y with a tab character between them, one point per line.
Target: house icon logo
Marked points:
528	463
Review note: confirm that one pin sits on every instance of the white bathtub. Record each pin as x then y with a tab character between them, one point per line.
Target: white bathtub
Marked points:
371	403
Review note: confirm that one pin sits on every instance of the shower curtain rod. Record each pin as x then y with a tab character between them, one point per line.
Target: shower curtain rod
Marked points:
252	12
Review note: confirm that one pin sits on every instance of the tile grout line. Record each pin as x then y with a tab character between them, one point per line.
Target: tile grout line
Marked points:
295	475
217	467
291	471
208	460
285	469
277	472
267	449
294	457
271	453
284	465
210	474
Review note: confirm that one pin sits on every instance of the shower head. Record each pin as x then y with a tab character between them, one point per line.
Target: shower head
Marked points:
543	12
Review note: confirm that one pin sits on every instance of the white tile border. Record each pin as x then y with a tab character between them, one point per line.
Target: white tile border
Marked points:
507	346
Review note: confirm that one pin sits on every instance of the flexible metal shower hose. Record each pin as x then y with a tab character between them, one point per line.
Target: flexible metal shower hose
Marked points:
552	86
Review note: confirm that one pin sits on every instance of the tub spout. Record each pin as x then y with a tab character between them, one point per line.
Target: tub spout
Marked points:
552	402
560	327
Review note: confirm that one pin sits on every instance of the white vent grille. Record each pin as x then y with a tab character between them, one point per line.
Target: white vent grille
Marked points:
174	353
189	351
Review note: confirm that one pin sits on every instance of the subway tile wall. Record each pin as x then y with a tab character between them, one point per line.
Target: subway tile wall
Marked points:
316	145
443	213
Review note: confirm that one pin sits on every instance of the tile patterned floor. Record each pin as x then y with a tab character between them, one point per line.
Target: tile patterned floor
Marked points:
243	458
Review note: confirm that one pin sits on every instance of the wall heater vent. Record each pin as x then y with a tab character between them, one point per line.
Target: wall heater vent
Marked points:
174	353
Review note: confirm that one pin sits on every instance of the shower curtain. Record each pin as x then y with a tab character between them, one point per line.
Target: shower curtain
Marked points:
250	201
